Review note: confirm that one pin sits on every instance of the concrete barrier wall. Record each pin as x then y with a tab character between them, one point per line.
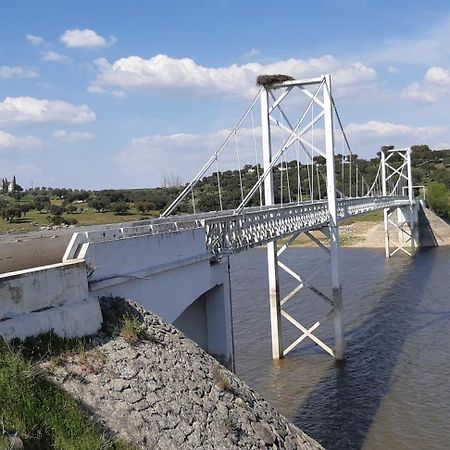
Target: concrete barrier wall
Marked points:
28	253
54	297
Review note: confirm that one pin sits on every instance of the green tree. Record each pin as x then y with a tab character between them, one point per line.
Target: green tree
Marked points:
40	202
11	213
120	208
99	204
56	210
438	198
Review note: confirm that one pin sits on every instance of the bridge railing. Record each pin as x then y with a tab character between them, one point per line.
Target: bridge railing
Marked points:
233	233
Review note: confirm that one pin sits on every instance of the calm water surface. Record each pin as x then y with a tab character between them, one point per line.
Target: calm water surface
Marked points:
393	392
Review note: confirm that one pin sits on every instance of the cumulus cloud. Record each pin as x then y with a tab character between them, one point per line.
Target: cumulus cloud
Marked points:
25	110
72	136
387	129
52	56
8	141
86	39
434	87
95	89
252	53
393	69
35	40
183	153
369	136
186	153
186	76
17	72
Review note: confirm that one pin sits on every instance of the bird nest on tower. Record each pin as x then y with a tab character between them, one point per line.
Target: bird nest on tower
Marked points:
270	80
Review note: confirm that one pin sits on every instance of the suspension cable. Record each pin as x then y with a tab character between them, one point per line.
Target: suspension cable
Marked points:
213	158
239	166
218	186
256	158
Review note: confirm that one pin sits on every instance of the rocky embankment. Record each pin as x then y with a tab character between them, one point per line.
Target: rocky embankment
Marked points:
156	389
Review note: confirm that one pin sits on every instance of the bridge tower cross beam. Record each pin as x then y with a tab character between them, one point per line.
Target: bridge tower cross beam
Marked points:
276	312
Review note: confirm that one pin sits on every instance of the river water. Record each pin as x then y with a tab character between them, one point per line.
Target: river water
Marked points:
393	391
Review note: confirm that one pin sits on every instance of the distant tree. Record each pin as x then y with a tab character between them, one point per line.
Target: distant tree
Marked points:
55	219
25	207
17	195
71	209
172	180
100	204
40	203
56	210
320	160
143	207
120	208
11	213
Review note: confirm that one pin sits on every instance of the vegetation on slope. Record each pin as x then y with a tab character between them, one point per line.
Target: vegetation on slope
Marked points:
36	410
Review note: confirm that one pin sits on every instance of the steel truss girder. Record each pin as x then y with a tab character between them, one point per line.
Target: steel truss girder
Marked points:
232	233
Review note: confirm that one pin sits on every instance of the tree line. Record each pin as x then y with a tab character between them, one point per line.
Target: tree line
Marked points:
430	168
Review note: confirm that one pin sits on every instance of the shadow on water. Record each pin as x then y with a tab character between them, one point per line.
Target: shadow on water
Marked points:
426	233
342	407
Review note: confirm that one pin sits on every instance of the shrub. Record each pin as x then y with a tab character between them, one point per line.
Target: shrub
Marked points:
438	198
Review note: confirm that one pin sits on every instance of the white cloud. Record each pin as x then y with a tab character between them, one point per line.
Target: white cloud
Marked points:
438	76
393	69
72	136
35	40
183	153
252	53
95	89
387	129
186	76
17	72
31	110
86	39
435	86
371	135
8	141
52	56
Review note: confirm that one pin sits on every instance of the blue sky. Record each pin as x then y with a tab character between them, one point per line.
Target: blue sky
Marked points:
114	94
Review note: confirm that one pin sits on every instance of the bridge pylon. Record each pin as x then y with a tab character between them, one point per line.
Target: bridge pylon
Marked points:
321	98
396	176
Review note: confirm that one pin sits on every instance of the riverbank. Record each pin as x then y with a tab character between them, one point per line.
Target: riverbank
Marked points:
363	233
156	389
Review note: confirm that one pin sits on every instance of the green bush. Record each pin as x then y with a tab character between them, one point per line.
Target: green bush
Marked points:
438	196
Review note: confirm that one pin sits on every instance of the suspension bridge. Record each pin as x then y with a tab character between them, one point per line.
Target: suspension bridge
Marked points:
307	135
187	255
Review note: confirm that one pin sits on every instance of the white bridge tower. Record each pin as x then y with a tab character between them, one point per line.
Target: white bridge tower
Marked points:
318	92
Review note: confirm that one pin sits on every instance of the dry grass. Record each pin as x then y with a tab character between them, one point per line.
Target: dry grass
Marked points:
131	331
220	380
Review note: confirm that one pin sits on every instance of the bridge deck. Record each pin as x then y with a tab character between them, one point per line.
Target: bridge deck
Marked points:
231	233
227	232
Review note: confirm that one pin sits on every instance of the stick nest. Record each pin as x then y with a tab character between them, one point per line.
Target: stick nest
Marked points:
270	80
